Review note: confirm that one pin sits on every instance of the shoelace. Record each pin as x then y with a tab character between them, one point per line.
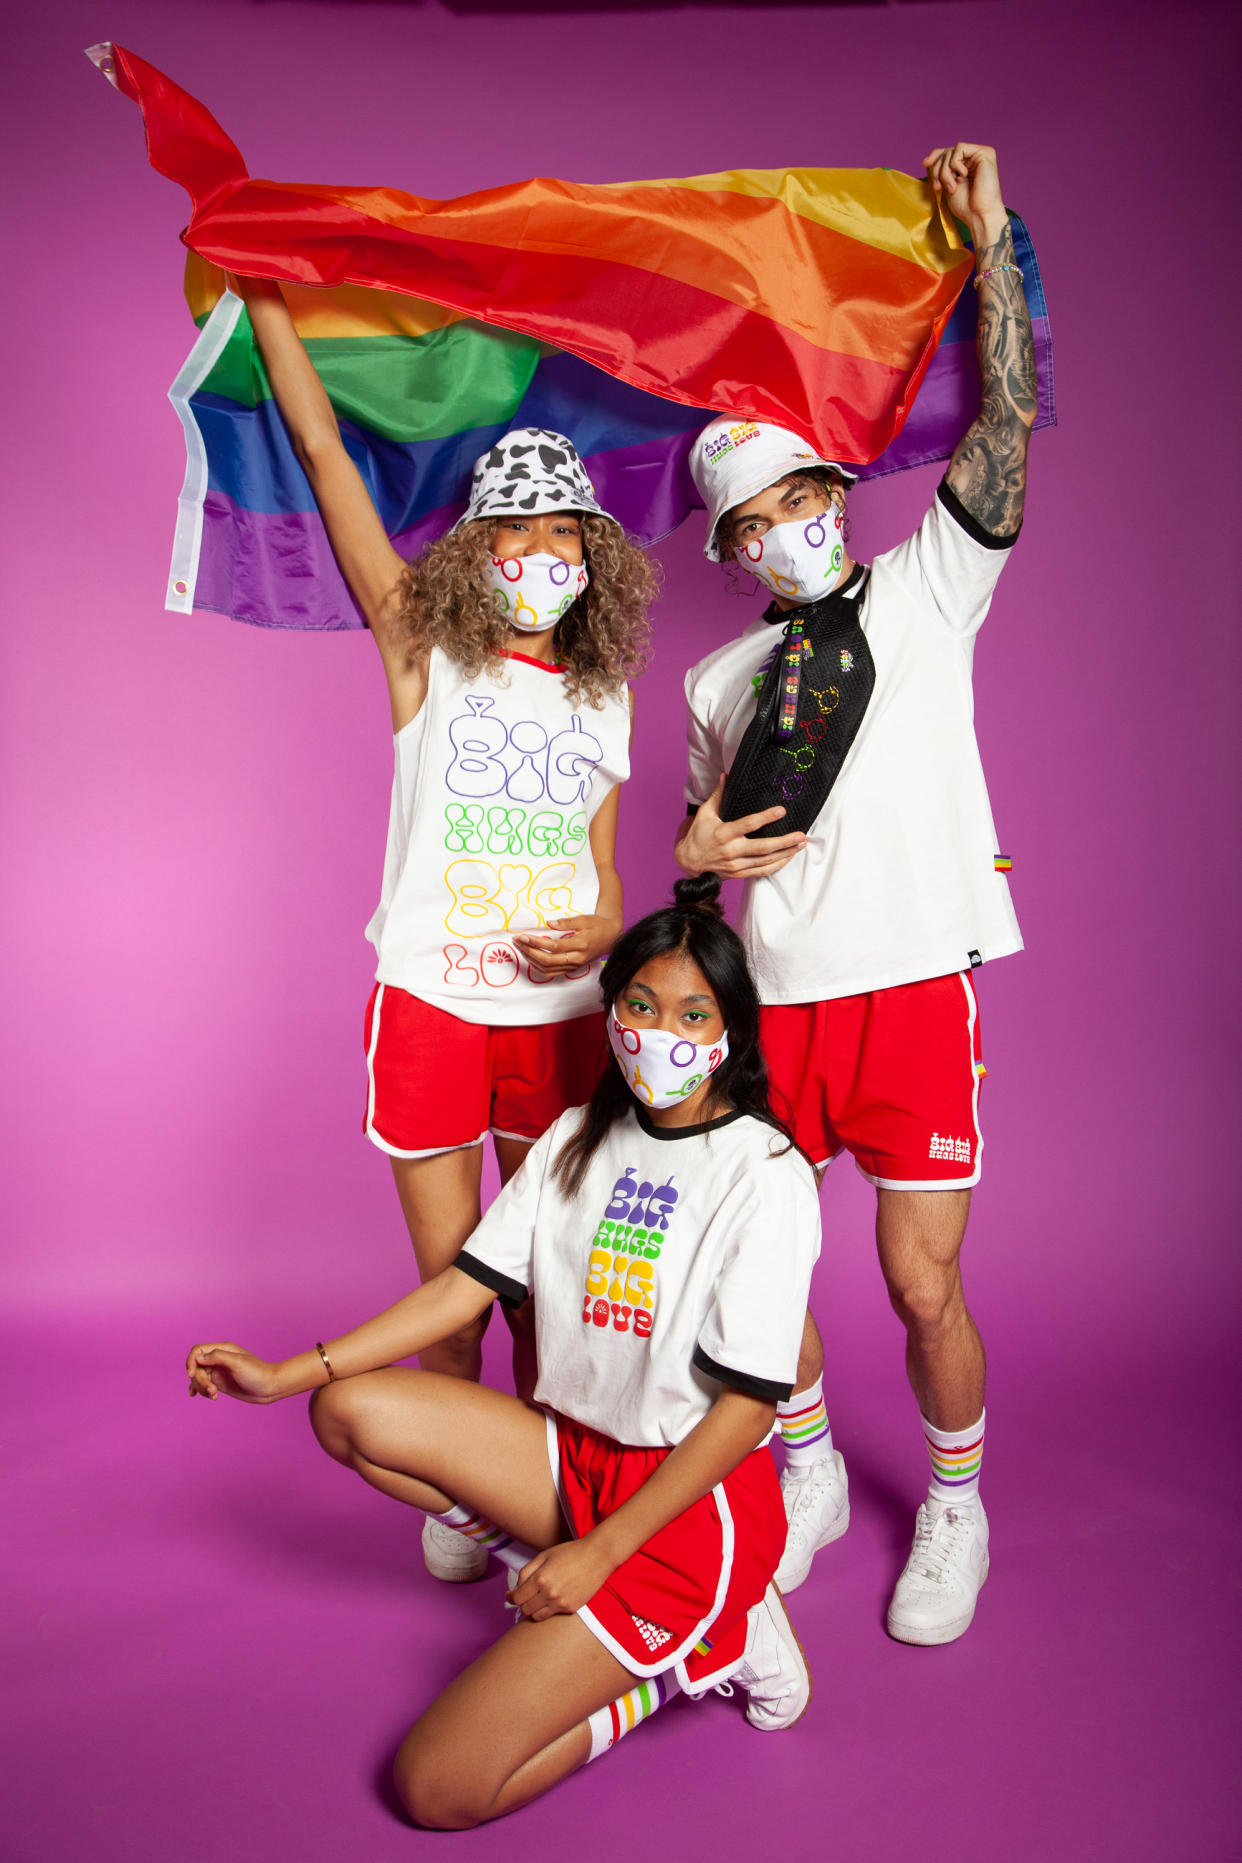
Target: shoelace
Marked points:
935	1545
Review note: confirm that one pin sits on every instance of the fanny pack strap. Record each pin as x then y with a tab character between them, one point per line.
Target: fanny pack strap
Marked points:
832	612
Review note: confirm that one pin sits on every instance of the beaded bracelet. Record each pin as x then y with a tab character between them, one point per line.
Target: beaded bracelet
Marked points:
327	1363
993	269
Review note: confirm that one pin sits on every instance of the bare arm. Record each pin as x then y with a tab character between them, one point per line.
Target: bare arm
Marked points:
565	1576
368	562
440	1307
988	470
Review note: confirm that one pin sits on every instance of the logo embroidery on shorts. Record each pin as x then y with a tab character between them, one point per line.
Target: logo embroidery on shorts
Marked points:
655	1636
955	1150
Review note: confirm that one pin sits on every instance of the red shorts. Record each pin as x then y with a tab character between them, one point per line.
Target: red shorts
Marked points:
682	1598
891	1076
436	1083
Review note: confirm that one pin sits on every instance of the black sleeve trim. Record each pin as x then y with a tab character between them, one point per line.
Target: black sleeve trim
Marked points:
509	1293
970	524
766	1388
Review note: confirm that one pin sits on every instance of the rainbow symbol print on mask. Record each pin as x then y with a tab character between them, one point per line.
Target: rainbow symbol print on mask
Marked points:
536	590
661	1068
620	1290
798	561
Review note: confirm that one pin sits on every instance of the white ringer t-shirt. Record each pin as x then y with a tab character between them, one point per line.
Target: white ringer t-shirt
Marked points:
683	1262
898	879
496	783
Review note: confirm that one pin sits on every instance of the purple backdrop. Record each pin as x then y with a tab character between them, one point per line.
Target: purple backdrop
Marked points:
214	1630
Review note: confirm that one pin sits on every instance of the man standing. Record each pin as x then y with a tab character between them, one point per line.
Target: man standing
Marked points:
864	930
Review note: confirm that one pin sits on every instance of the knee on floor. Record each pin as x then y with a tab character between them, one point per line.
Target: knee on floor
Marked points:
430	1788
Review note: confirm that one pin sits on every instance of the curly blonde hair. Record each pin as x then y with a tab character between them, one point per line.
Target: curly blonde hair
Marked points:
447	601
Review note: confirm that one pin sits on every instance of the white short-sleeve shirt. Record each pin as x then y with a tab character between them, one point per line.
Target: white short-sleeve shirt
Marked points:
683	1262
898	880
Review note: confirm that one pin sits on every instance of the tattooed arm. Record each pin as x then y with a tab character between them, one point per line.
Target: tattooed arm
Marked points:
988	470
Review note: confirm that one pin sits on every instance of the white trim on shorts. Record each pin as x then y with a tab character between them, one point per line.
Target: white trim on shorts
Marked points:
949	1183
394	1151
674	1655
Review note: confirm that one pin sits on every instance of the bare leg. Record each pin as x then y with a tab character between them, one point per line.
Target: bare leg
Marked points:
440	1203
515	1722
430	1440
811	1350
810	1355
512	1725
919	1237
521	1320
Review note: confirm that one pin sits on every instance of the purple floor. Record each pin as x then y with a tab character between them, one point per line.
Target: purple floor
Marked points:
216	1630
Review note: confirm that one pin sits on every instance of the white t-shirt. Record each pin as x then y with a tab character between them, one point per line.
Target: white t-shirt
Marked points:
683	1262
898	880
495	786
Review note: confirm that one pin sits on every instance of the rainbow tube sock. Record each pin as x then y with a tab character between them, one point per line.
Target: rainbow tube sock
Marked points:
805	1430
956	1458
620	1717
484	1532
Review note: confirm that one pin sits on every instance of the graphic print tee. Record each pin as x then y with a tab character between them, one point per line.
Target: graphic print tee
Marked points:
495	785
898	880
683	1262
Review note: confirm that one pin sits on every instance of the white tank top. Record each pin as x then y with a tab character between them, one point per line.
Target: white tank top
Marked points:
497	781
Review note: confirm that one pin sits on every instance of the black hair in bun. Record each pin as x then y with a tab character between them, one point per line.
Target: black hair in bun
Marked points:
699	891
693	926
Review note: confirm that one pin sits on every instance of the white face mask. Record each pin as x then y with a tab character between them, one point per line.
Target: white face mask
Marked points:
801	560
662	1069
536	589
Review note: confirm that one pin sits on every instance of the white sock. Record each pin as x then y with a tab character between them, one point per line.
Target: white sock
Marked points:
956	1458
620	1717
805	1430
484	1532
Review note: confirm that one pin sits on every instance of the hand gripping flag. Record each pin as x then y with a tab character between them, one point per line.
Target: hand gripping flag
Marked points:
621	315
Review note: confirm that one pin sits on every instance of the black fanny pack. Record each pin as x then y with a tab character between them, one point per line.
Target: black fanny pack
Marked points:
809	708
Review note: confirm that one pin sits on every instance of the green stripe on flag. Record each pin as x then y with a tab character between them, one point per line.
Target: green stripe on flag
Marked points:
403	388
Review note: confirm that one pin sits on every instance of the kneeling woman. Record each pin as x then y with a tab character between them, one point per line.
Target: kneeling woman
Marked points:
667	1231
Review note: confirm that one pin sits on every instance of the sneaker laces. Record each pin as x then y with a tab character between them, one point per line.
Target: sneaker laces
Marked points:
807	1491
936	1542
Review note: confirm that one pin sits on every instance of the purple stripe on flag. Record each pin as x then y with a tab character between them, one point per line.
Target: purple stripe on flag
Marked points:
948	402
276	568
271	569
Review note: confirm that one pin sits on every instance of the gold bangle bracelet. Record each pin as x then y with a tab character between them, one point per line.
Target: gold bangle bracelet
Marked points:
327	1362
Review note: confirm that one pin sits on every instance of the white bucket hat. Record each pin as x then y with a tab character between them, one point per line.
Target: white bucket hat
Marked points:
733	459
530	471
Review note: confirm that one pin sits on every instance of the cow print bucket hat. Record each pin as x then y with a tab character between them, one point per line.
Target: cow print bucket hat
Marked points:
530	471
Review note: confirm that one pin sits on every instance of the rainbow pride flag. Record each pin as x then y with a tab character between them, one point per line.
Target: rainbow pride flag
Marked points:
620	315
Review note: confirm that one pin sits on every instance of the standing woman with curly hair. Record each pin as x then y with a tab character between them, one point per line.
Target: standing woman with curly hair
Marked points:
506	647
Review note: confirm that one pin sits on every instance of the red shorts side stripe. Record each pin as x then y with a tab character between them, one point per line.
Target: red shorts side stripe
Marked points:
436	1083
892	1076
702	1572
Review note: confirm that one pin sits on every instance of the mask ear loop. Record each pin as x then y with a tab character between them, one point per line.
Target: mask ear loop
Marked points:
736	579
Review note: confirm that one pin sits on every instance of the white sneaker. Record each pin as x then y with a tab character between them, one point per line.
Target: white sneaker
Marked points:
935	1596
773	1671
817	1507
449	1555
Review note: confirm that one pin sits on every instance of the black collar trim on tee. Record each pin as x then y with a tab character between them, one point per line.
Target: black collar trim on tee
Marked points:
849	591
681	1132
